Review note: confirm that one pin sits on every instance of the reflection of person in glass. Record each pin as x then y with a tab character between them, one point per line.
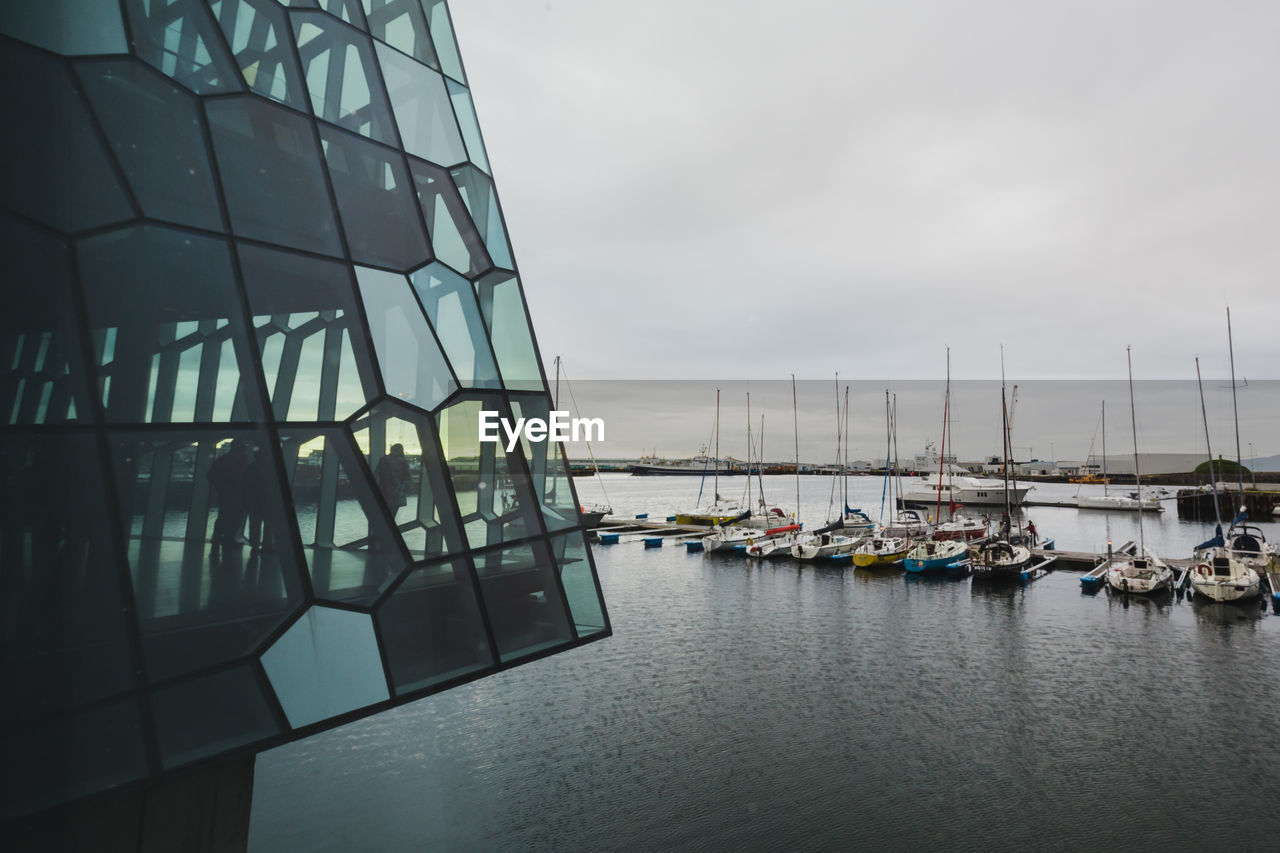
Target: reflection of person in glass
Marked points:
258	479
229	477
392	475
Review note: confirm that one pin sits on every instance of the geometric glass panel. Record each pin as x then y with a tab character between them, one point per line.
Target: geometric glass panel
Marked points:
470	127
432	628
413	369
205	594
442	35
258	33
551	483
69	27
404	455
492	489
352	551
211	714
315	354
272	175
341	76
454	238
326	664
503	308
181	39
450	303
423	113
344	10
523	599
168	332
579	582
376	201
155	132
54	168
477	193
401	24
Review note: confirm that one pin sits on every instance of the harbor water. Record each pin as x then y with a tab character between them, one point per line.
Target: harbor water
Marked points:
777	705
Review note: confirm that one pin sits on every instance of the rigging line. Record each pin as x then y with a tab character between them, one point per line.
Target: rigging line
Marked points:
569	387
1213	480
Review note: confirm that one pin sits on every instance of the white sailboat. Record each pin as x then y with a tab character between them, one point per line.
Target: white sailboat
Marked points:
1004	556
593	513
719	511
1144	572
1107	501
833	540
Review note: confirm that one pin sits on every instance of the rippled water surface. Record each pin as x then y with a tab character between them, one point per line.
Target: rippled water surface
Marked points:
744	705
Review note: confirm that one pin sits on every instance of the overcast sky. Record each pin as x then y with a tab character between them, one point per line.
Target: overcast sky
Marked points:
736	189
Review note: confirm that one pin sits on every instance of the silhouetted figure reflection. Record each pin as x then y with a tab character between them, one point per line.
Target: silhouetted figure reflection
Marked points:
229	477
392	475
258	480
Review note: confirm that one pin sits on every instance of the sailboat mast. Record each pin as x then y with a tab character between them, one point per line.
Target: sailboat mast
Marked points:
1217	514
557	382
897	469
716	478
846	450
1104	448
942	455
748	451
795	423
1234	411
1004	437
1137	474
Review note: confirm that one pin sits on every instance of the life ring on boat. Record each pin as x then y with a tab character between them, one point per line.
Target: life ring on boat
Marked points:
1204	570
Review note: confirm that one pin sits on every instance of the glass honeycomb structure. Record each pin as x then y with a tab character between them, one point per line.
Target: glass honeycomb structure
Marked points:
258	288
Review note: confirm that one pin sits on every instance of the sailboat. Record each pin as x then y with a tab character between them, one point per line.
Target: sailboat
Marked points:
1109	501
1144	572
934	555
719	511
883	549
832	540
594	513
756	528
1005	556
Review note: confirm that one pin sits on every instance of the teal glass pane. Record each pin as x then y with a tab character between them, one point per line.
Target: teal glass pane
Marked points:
413	368
450	304
402	451
69	27
210	715
432	628
492	490
502	306
477	193
375	200
577	575
523	599
181	39
343	10
54	169
423	112
454	238
401	24
466	112
315	356
326	664
351	549
442	34
164	353
258	33
547	468
338	64
157	137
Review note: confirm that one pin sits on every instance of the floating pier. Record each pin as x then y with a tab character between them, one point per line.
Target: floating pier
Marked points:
1094	579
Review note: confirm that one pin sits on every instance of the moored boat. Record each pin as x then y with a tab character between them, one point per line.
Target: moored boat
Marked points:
963	528
1142	574
880	551
1219	576
1001	559
825	544
935	555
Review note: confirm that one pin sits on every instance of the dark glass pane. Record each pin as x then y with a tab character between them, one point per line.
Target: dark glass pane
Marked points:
169	337
432	629
493	493
65	637
326	664
450	303
154	129
260	38
69	27
477	193
272	174
547	467
454	238
70	757
502	305
523	599
344	10
341	76
210	545
442	35
413	369
423	112
181	39
211	714
315	354
42	378
404	455
53	169
375	201
401	24
351	549
467	123
577	575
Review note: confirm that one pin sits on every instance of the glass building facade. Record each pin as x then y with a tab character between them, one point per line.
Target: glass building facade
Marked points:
257	289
